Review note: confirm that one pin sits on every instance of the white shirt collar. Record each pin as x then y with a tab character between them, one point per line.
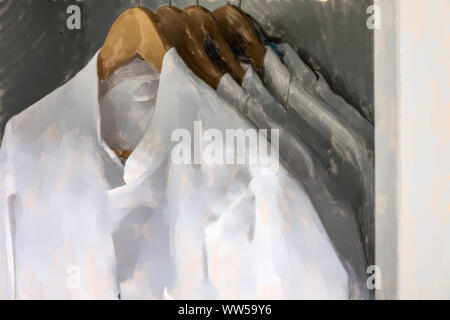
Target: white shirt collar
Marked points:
128	99
299	69
277	76
233	93
276	83
176	78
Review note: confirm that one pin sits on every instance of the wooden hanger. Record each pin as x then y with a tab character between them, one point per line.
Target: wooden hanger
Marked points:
239	31
135	32
139	31
206	25
181	34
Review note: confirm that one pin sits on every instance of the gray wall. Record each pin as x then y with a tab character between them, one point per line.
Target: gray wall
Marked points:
38	53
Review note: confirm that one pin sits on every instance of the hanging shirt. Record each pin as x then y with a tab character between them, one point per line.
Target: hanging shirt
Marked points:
316	85
341	139
219	218
77	223
346	122
255	102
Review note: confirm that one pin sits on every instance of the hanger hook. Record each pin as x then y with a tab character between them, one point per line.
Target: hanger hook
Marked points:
170	3
239	3
138	3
